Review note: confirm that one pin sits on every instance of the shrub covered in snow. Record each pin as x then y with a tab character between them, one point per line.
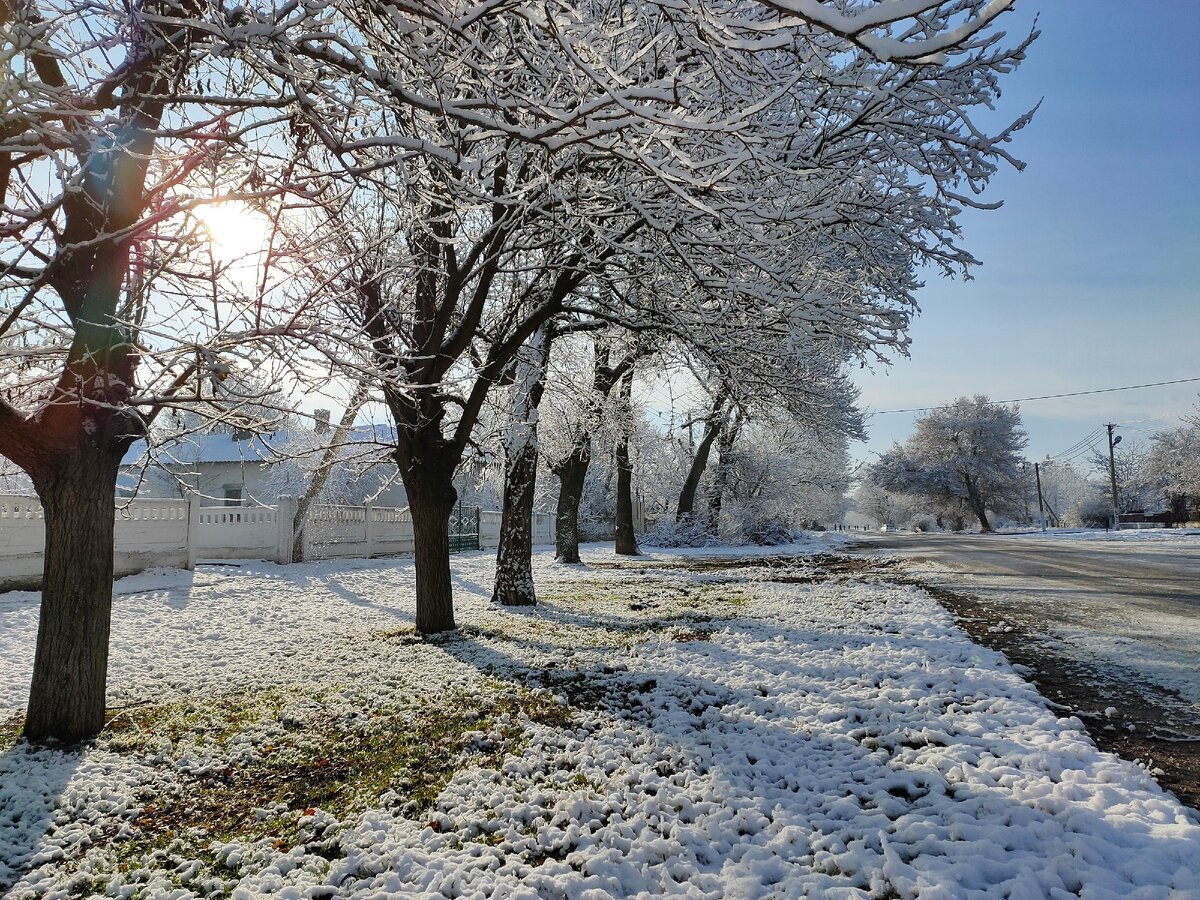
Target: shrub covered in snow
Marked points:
692	533
923	522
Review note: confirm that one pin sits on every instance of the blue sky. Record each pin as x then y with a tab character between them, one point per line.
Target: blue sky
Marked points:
1091	270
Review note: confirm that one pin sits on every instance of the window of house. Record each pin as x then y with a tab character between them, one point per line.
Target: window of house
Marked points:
233	495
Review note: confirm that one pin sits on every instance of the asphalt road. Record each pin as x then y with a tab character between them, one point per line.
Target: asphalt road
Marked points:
1110	630
1158	578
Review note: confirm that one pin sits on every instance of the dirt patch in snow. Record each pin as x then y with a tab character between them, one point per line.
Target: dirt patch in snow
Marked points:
780	569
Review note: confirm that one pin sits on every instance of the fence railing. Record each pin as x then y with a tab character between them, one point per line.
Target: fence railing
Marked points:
181	532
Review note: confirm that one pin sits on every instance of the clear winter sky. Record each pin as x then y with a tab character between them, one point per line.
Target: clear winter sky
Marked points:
1091	270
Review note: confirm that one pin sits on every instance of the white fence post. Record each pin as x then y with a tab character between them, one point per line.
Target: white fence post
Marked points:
285	520
193	530
369	528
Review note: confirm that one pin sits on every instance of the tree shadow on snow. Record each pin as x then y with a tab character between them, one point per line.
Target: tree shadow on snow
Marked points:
32	781
871	753
335	587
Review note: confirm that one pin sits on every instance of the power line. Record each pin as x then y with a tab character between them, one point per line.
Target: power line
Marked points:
1128	387
1078	445
1090	449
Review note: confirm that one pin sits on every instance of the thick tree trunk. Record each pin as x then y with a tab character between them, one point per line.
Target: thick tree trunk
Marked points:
66	696
572	473
427	466
687	496
625	534
431	503
514	555
978	507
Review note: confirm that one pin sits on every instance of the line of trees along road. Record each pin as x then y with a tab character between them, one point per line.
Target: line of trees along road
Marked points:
433	185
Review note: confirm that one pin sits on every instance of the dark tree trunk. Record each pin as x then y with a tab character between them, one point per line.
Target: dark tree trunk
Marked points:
626	537
427	466
514	555
687	496
977	504
729	433
72	456
66	696
1179	508
572	473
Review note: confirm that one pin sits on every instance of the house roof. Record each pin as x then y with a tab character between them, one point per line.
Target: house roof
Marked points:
194	449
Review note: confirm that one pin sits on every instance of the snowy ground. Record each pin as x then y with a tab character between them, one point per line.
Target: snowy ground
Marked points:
1148	535
736	728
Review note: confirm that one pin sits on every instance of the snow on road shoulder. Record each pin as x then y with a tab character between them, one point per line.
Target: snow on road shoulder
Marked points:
1184	536
756	737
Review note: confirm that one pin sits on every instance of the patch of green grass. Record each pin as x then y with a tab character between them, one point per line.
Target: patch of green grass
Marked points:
216	721
412	752
404	635
10	730
579	780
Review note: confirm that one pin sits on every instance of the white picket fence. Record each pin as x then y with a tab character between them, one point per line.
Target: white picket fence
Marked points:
181	532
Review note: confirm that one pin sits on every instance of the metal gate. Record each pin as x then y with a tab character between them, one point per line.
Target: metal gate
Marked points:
464	528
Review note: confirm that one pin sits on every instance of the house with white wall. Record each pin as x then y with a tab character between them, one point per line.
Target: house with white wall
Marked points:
241	468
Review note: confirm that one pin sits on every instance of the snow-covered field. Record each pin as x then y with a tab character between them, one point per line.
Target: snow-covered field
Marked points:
763	729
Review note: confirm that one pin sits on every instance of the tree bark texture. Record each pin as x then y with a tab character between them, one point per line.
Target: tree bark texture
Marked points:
514	556
427	463
66	696
572	473
626	536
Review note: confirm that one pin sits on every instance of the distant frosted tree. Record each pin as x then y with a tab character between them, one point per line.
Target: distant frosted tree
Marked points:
881	505
968	452
1136	490
1065	489
1173	467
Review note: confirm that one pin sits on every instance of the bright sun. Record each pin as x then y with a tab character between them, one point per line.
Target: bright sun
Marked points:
236	233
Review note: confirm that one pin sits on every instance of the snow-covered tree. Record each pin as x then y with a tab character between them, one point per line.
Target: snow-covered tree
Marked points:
122	127
968	453
543	182
1173	467
515	157
782	477
1065	489
583	412
882	506
514	574
1136	488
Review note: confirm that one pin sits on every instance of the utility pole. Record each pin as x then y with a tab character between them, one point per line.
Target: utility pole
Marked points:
1037	474
1112	469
